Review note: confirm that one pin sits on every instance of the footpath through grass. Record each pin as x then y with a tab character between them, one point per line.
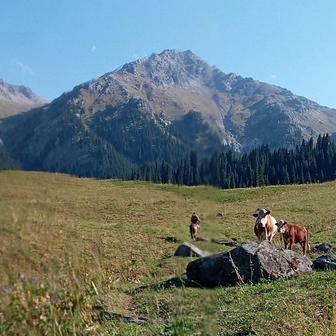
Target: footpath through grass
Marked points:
69	244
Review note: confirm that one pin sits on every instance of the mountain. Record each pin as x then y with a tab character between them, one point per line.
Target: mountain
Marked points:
159	107
16	99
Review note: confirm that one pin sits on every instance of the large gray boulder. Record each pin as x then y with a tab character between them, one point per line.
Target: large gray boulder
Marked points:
249	263
190	250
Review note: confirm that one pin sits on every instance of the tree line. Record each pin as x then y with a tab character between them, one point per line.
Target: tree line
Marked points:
310	162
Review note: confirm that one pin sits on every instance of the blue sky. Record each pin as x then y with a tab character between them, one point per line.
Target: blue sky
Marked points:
51	46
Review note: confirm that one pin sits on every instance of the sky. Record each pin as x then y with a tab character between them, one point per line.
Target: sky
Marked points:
52	46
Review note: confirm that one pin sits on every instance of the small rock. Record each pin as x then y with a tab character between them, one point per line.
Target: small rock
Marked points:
325	263
190	250
219	214
5	290
323	248
108	315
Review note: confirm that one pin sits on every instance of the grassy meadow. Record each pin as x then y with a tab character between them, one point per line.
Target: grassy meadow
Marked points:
69	244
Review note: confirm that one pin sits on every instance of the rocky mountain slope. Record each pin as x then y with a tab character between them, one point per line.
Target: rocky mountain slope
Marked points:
156	108
17	98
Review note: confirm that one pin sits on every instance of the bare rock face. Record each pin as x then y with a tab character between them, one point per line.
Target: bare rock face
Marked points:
190	250
249	263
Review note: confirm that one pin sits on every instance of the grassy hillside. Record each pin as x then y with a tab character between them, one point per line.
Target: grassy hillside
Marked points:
68	244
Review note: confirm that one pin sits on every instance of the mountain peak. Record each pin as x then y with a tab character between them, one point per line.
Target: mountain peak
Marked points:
17	98
18	94
167	55
176	55
175	52
170	67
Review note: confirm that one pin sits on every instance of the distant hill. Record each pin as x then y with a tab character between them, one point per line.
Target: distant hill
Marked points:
159	107
17	98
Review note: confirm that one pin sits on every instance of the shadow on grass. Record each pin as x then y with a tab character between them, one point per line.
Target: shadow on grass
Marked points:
232	243
171	239
176	282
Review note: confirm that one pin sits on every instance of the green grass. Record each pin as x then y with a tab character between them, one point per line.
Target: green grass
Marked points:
68	244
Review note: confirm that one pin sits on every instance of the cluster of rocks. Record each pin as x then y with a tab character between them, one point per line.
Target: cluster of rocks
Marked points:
324	262
250	263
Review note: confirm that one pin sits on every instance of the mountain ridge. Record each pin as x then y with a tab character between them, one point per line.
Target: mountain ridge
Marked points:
159	108
193	85
16	99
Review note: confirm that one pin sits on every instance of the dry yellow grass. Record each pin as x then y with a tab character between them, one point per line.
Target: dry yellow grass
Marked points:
69	242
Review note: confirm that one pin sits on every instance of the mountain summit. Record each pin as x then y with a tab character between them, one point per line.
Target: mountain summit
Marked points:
160	107
17	98
176	85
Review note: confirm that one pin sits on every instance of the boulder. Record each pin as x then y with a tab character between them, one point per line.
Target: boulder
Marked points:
323	248
190	250
325	263
248	263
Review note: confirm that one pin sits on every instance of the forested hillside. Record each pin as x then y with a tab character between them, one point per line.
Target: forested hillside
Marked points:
308	163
